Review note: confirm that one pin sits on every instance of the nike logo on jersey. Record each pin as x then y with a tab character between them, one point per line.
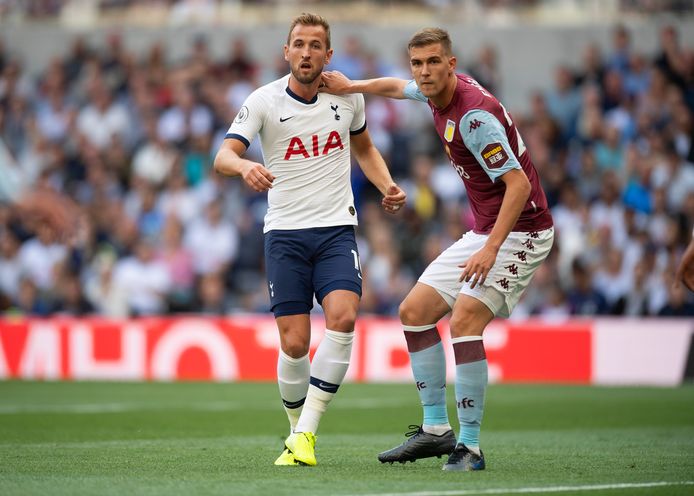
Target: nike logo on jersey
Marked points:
283	119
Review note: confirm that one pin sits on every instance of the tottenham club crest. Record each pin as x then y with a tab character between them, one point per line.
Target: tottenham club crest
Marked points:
242	115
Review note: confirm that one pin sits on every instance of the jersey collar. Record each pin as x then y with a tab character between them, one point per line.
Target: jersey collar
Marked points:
302	100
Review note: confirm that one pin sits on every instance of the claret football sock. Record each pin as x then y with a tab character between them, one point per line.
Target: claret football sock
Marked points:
292	378
470	387
328	369
428	364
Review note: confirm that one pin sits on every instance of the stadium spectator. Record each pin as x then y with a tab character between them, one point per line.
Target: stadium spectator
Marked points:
485	69
186	119
144	280
179	262
40	256
621	57
212	240
10	268
583	298
108	298
154	159
70	300
102	117
564	101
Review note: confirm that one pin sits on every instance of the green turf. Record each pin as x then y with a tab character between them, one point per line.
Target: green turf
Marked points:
200	438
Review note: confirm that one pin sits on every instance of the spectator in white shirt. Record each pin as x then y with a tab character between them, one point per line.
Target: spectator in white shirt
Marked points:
213	240
144	279
103	117
39	257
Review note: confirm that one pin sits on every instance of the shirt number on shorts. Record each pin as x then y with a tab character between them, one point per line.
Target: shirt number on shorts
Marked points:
357	265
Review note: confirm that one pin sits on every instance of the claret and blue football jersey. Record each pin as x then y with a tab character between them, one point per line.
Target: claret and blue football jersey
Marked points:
482	143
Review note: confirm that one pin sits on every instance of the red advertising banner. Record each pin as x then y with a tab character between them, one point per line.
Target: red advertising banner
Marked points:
244	348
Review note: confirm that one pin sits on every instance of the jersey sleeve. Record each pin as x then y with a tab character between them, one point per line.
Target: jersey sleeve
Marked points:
411	92
358	124
486	139
249	121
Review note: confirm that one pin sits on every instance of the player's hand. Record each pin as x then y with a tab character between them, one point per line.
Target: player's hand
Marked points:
257	177
685	275
334	82
477	267
394	199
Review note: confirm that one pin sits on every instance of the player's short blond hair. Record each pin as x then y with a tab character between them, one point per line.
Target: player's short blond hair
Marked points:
430	36
307	19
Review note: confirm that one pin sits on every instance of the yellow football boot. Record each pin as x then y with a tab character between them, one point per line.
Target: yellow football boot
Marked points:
286	459
302	445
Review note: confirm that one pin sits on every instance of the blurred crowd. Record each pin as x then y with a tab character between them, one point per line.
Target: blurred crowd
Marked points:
208	11
128	139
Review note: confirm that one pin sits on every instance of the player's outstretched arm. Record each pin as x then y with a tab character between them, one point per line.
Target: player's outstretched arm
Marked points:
685	270
338	84
375	169
230	163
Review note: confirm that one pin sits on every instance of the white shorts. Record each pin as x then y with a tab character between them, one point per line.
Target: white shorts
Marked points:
517	260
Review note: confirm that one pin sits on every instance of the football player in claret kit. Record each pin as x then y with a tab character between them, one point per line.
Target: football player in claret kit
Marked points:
310	245
483	274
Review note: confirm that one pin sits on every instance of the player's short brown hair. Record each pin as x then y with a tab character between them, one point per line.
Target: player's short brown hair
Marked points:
430	36
307	19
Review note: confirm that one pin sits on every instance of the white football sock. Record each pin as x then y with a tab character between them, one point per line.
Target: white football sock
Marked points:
328	369
436	430
292	378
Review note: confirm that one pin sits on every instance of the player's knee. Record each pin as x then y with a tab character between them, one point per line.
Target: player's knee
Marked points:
295	346
342	321
463	322
410	314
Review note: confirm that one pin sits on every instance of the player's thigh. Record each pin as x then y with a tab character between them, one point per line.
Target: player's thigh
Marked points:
423	305
336	263
443	274
340	308
516	263
289	272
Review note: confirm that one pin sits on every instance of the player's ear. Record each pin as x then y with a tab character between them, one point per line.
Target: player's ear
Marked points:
328	56
452	61
286	53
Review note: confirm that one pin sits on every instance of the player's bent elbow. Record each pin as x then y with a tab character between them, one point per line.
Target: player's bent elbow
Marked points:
527	187
522	185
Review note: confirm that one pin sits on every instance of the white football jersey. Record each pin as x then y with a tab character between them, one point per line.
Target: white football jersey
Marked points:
306	147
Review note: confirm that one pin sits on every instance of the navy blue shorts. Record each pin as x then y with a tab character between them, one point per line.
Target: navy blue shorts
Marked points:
303	262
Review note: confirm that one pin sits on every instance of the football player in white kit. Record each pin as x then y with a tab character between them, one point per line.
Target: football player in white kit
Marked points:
310	246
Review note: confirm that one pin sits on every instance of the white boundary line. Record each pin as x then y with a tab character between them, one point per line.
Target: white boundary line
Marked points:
528	490
209	406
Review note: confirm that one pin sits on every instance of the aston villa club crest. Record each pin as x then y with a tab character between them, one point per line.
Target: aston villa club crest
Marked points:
450	130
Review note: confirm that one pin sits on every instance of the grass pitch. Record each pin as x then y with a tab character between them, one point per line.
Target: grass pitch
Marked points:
201	438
